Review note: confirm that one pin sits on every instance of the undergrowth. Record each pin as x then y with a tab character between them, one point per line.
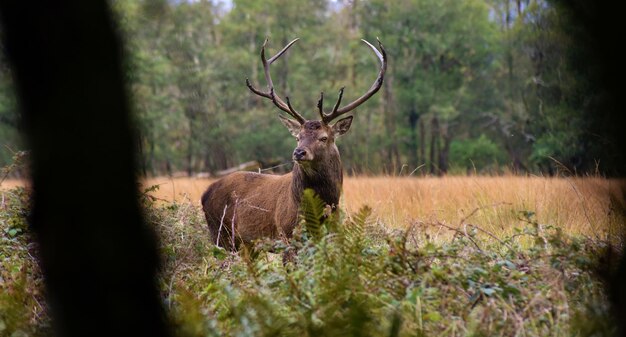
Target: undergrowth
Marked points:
352	276
22	304
348	276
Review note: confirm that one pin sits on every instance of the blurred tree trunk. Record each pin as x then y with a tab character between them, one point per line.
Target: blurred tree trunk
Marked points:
389	113
444	153
413	144
422	155
190	142
434	145
98	258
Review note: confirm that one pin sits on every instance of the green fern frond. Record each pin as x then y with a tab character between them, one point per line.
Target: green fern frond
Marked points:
359	222
362	216
312	214
353	232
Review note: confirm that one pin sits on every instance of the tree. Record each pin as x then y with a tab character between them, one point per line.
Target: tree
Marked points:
506	69
439	49
98	258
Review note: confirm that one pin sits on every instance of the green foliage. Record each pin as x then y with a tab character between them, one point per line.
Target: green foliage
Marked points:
22	310
480	153
350	277
559	144
506	69
312	213
357	278
9	116
17	163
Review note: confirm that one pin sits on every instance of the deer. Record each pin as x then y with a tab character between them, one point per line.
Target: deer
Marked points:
246	206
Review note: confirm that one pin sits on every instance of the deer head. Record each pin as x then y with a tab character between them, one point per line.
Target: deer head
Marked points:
316	138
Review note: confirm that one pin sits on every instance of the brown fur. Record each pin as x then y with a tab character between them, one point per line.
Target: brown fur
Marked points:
263	205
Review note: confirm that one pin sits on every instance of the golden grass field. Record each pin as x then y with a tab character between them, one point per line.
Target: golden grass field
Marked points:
578	205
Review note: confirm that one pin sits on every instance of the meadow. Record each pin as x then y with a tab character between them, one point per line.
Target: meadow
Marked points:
580	206
451	256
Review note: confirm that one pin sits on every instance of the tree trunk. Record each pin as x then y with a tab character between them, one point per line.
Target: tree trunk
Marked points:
150	159
141	153
434	145
444	154
422	154
190	141
413	157
509	51
389	113
98	258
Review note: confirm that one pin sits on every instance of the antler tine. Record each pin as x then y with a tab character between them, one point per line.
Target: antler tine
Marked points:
320	105
338	100
382	56
268	78
280	53
290	110
293	113
256	91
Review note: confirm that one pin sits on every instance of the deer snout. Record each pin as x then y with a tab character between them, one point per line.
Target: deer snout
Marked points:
299	154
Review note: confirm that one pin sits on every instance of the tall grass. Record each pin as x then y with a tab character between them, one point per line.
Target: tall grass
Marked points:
576	205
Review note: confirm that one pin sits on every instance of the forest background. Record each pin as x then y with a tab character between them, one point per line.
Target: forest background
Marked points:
473	86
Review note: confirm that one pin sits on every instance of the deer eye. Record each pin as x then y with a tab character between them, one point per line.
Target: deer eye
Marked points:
323	139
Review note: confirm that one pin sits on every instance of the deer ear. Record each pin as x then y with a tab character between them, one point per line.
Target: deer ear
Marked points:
293	126
342	126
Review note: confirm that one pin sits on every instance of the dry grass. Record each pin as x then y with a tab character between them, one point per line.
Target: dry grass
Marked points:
12	183
578	205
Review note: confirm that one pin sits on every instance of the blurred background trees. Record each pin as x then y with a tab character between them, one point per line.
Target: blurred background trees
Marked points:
473	86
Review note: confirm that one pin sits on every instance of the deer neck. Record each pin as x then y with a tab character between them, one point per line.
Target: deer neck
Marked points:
325	180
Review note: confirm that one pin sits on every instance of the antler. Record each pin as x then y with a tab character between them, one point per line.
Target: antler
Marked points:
286	107
336	112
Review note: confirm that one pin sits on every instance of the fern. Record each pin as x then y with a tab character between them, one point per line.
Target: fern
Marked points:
312	215
361	218
355	231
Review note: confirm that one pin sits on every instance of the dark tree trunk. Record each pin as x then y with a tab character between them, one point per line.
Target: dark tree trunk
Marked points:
98	258
444	154
516	162
422	155
190	141
141	154
434	145
413	118
393	155
150	160
600	25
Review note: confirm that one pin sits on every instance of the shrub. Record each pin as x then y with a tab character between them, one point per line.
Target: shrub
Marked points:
480	154
350	276
22	305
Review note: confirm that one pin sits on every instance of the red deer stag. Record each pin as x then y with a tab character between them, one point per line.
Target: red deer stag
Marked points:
245	206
